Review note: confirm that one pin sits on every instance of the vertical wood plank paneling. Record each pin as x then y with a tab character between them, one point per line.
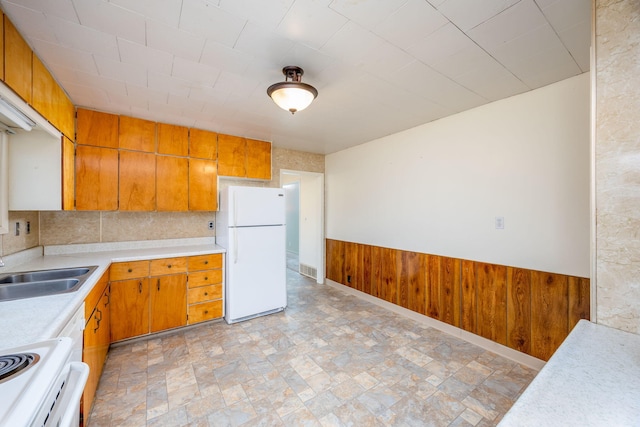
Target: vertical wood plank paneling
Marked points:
376	271
335	260
450	291
492	301
549	313
350	263
579	300
363	281
411	279
519	309
468	300
388	282
433	299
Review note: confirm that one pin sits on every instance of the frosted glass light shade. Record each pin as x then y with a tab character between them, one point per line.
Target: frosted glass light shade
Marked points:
293	97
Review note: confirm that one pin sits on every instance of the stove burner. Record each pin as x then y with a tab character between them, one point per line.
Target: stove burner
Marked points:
12	364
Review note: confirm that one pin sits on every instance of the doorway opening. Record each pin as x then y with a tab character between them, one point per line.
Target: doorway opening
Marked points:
305	222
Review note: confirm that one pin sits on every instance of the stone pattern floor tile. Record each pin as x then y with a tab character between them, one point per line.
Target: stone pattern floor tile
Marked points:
329	359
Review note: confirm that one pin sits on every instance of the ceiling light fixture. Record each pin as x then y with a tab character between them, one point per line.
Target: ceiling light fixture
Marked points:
292	95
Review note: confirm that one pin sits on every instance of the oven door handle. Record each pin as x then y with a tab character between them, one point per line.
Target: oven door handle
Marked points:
78	374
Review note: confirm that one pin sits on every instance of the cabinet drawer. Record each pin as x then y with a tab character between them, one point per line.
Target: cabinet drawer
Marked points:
203	278
129	270
204	293
205	262
205	311
168	266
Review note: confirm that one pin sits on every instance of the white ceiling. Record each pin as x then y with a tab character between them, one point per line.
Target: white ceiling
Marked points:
380	66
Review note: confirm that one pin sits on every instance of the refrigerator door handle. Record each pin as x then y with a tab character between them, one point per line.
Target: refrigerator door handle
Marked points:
235	245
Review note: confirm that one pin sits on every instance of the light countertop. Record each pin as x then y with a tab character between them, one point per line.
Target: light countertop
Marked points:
593	379
30	320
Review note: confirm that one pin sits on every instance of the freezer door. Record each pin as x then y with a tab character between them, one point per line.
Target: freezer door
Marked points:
249	206
256	271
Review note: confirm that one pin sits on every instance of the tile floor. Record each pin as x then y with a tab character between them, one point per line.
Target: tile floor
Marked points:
329	360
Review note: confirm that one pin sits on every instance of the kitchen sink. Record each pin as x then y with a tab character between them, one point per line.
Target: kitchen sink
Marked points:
38	276
31	284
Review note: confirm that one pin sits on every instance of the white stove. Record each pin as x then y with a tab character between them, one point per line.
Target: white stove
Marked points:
47	387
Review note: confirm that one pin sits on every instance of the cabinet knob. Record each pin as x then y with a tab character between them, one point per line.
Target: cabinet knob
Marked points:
206	278
206	312
130	270
206	294
206	262
169	266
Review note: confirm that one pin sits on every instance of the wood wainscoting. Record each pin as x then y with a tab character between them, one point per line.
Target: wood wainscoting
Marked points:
527	310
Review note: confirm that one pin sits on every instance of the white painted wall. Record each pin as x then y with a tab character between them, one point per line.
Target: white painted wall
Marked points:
437	188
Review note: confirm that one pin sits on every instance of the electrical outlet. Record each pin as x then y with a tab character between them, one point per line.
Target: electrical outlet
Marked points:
211	225
499	222
28	227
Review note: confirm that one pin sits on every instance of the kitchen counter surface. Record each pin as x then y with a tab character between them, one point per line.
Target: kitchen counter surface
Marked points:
30	320
593	379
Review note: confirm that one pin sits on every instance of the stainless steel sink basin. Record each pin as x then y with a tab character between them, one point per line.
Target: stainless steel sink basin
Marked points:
37	289
30	284
37	276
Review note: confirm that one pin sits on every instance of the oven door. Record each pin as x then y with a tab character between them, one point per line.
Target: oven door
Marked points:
62	406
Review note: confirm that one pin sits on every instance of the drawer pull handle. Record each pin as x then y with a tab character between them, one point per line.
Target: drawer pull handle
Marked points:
206	262
140	287
158	284
169	266
130	270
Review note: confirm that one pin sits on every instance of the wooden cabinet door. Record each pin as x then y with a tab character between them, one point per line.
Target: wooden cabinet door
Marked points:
2	43
90	356
203	185
258	159
232	156
129	308
137	181
104	336
172	183
68	176
168	302
137	134
203	144
173	140
43	91
96	128
18	63
96	178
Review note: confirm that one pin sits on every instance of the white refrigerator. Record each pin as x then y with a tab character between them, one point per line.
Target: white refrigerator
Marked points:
250	225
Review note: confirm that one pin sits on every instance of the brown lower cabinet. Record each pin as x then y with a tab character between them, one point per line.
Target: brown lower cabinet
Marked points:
96	339
529	311
151	296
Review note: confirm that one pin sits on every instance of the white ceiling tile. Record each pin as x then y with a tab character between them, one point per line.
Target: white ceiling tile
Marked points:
199	74
225	58
386	60
436	3
266	14
116	70
514	22
164	11
573	38
467	14
415	20
87	96
469	58
174	41
546	67
209	95
172	85
312	61
83	38
134	53
367	13
90	80
146	94
60	8
261	43
446	41
30	23
203	19
111	19
351	42
132	101
491	81
184	103
237	86
52	54
311	23
562	14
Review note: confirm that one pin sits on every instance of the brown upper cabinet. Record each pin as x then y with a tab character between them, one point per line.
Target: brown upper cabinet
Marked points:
18	63
258	159
137	134
203	144
203	185
96	128
68	178
96	178
173	140
172	185
137	181
244	158
232	159
50	100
